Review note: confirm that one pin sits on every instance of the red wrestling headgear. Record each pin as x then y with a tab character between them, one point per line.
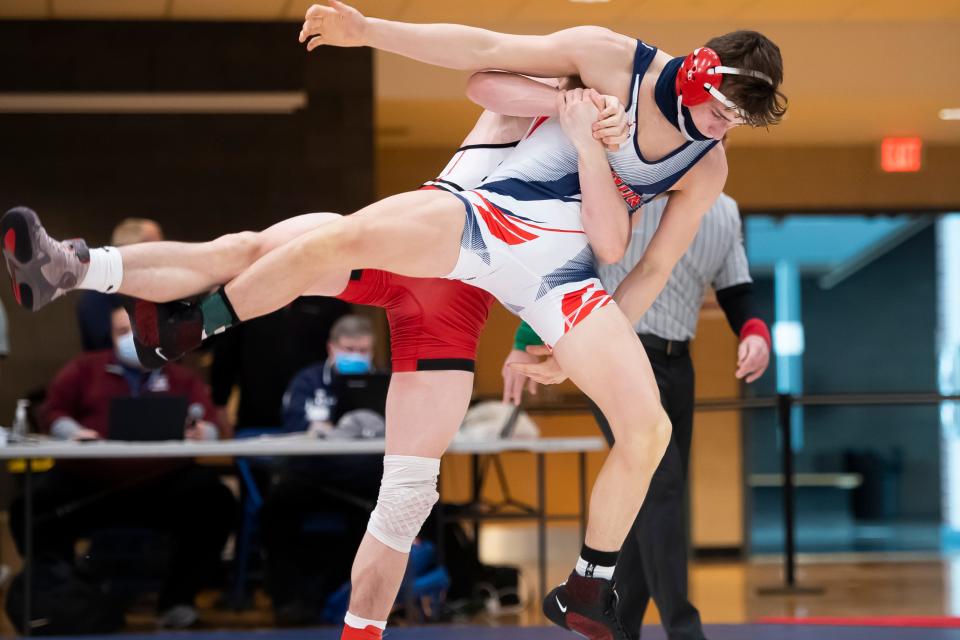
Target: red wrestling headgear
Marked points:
700	76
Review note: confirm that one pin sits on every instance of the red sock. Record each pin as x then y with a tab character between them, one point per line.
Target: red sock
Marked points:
369	633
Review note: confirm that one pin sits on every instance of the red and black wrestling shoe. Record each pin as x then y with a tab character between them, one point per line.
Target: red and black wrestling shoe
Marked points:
164	332
586	606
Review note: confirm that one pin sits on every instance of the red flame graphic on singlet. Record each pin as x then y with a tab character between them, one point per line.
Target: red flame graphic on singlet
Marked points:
577	305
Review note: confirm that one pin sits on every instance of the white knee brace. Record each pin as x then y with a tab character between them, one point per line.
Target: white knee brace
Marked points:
408	492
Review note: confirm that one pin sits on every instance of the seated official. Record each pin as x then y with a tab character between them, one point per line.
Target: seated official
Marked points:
316	512
93	307
255	361
184	502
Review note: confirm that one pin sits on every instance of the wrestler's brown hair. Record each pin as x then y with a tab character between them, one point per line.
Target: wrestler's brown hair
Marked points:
762	104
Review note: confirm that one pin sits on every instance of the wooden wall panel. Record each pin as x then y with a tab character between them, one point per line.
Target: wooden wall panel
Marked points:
199	175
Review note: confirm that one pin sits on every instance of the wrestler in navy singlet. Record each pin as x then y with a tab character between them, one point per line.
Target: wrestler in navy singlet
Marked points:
523	240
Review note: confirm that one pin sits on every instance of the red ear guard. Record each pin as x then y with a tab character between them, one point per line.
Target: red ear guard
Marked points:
700	76
695	73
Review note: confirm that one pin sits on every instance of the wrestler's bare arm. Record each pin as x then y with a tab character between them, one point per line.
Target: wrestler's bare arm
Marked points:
601	57
678	226
512	94
603	211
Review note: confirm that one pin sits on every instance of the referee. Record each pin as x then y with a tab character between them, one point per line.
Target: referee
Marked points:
653	560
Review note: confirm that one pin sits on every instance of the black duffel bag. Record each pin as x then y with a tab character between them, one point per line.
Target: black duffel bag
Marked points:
62	602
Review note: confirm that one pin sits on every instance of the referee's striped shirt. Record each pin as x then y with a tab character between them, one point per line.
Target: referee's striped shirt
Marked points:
716	257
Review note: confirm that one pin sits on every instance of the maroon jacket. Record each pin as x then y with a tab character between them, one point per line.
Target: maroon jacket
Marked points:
83	389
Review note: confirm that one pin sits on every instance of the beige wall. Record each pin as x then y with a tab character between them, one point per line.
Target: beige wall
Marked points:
840	177
769	177
716	457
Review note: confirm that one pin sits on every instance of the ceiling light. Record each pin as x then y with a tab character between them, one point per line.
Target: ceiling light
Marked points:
950	114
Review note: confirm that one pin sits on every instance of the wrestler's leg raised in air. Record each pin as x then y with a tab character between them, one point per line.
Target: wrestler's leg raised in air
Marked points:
165	271
155	271
413	234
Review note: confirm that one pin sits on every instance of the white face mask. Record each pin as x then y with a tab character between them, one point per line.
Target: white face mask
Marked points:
126	351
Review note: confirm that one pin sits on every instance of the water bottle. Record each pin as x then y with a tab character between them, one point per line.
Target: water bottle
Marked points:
18	432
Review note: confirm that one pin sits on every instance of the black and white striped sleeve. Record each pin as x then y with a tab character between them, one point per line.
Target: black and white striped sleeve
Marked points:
734	268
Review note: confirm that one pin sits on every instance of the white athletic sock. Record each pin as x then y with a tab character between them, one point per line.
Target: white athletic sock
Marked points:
590	570
594	563
362	623
105	271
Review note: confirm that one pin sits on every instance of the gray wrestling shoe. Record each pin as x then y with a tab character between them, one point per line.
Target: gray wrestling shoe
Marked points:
42	269
181	616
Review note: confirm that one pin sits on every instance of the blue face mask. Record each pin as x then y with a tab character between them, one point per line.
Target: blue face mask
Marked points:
127	351
349	363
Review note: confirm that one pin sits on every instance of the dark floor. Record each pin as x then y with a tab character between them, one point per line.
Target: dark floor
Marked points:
714	632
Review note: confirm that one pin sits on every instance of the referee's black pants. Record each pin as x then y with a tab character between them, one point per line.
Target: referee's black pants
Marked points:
653	560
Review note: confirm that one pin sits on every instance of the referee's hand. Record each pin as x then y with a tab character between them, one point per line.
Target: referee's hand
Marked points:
546	371
513	380
753	357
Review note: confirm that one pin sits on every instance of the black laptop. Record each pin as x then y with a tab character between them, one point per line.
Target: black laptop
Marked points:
148	418
366	391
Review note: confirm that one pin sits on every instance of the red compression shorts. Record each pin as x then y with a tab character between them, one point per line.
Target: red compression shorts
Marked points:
435	324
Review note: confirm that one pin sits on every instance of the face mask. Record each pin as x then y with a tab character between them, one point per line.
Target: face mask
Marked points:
352	363
126	351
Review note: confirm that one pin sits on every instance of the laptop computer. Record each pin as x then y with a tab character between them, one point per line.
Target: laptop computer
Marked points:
365	391
148	418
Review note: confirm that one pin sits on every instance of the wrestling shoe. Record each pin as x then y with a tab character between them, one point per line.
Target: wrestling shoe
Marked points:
42	269
164	332
586	606
181	616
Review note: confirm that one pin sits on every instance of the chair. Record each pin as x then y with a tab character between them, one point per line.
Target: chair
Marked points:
252	503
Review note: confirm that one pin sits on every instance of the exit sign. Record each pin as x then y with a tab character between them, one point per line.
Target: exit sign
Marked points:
900	155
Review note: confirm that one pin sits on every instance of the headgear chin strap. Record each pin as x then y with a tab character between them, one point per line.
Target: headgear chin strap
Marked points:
700	76
686	125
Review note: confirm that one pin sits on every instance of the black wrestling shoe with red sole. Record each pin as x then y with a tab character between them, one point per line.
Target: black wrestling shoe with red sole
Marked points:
164	332
587	607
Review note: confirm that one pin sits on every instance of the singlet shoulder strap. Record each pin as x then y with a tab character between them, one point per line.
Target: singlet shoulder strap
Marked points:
641	62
